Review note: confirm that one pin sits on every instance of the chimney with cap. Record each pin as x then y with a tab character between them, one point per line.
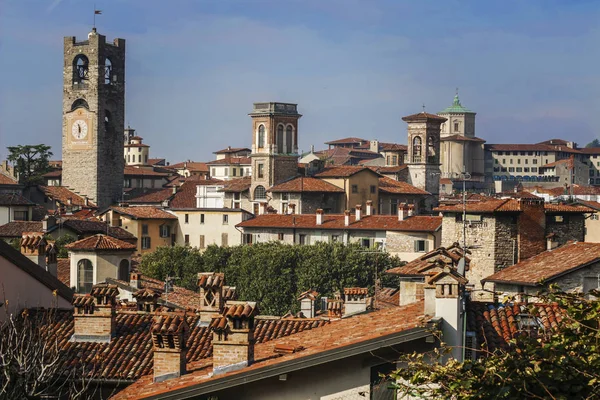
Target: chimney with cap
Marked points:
401	211
292	208
135	280
369	210
210	285
411	210
169	335
308	302
319	215
233	337
355	300
146	300
33	246
347	218
358	212
52	259
335	306
94	314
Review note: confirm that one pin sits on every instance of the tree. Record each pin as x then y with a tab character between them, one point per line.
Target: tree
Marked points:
562	363
183	262
30	162
61	242
593	143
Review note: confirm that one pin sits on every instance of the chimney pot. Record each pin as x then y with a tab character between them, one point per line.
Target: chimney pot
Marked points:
369	210
411	210
319	216
94	314
401	212
134	280
292	207
358	212
169	335
347	218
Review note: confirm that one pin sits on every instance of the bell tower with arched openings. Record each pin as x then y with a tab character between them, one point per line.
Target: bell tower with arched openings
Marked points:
274	146
423	154
93	117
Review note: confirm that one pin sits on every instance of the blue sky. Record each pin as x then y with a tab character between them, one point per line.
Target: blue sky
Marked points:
194	68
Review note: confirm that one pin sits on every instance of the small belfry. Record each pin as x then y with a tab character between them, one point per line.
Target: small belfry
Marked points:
93	117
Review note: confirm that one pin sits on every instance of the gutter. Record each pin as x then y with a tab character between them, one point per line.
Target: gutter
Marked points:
215	385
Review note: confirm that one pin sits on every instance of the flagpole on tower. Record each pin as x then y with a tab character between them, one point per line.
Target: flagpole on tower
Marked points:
96	12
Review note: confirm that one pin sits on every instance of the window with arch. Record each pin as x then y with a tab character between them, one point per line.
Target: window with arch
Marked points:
123	274
279	139
289	139
108	75
456	126
79	103
85	276
81	68
261	136
430	147
417	145
107	121
260	193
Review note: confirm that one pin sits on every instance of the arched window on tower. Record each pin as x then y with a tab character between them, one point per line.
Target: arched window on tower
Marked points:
430	150
456	126
85	276
416	152
124	270
289	139
279	140
108	75
107	121
261	136
260	193
81	68
79	103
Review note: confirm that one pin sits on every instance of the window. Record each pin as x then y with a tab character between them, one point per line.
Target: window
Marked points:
334	238
417	143
261	136
496	161
124	270
261	170
165	231
260	193
518	161
526	161
187	218
85	276
233	171
558	219
511	169
373	189
20	215
511	160
526	169
279	139
421	246
394	160
225	219
534	161
237	200
201	218
280	236
388	160
455	126
519	169
533	169
504	161
202	245
224	239
212	171
366	242
289	139
146	158
302	239
144	229
146	242
186	239
354	188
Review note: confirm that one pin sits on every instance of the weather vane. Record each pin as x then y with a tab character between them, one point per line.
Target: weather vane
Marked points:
423	107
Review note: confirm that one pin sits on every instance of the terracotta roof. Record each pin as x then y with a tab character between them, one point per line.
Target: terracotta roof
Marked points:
136	145
84	213
14	199
16	228
387	297
63	267
461	138
232	161
141	171
392	186
191	166
496	324
302	184
578	190
186	194
591	204
590	150
144	212
530	147
430	263
486	205
521	194
446	181
92	227
423	116
309	294
62	195
549	265
7	180
238	185
389	170
146	196
567	208
230	150
353	291
335	221
98	243
211	279
346	156
57	173
341	171
154	161
384	146
337	334
350	140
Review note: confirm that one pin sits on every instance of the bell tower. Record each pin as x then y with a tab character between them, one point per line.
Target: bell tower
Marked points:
274	146
93	117
424	151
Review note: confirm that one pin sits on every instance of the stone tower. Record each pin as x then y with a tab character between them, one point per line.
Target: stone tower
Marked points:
424	151
93	117
461	120
274	146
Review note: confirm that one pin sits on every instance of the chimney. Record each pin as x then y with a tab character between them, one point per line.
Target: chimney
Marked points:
308	301
169	335
355	300
174	191
262	208
369	207
94	314
550	243
135	280
374	146
233	337
52	259
70	201
335	306
411	210
33	246
444	294
347	218
86	201
358	212
319	216
292	208
401	211
146	300
210	285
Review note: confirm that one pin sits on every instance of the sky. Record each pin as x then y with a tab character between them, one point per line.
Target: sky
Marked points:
355	68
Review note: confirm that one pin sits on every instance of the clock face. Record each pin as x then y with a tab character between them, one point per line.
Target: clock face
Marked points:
79	129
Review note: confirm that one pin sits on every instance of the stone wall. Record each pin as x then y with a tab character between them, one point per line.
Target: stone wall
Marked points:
532	227
571	228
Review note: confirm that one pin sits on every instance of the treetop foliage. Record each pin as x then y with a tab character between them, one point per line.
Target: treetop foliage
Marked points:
31	162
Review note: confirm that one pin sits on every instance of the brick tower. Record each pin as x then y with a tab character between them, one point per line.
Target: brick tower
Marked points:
274	146
93	117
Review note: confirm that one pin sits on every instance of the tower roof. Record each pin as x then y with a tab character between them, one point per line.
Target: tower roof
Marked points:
423	116
456	108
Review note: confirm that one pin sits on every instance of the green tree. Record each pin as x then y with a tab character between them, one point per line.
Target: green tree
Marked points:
593	143
562	363
183	262
61	242
30	162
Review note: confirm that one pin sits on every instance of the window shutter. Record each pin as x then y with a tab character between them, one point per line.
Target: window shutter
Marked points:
223	239
201	241
416	243
426	245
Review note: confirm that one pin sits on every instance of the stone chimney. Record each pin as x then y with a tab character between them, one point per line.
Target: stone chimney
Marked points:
444	298
146	299
347	218
292	208
319	216
369	210
52	259
355	300
233	337
169	335
401	210
94	314
308	302
33	246
135	280
210	285
335	306
358	212
411	210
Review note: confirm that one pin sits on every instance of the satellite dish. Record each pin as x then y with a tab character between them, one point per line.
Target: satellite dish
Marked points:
461	266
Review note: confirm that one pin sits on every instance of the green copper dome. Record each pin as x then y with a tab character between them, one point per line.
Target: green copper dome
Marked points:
456	108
